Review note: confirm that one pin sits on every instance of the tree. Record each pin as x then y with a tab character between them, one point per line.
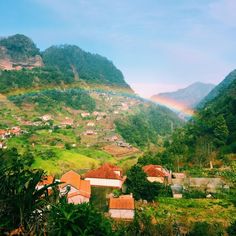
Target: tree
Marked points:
141	188
82	219
20	201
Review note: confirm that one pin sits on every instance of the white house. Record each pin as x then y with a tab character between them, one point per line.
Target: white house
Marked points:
91	124
106	176
77	190
85	114
46	117
122	207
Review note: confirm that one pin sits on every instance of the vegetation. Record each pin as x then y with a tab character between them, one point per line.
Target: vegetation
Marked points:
37	77
141	188
19	47
46	100
85	66
143	128
82	219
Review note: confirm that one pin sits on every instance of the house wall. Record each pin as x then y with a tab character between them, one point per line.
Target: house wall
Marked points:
122	213
78	199
105	182
156	179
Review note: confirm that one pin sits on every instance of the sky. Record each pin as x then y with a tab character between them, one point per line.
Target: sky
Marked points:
159	45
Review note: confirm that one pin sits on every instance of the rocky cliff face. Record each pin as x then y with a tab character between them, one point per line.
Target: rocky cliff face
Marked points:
17	52
8	63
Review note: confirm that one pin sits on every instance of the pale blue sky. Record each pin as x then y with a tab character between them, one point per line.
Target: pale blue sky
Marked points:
160	45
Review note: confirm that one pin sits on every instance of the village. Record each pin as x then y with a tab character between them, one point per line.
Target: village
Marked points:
91	128
118	204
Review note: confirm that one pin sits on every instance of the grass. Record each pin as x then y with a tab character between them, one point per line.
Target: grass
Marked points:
192	210
77	159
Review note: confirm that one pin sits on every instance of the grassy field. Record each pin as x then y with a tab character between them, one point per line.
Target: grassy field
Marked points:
79	160
191	210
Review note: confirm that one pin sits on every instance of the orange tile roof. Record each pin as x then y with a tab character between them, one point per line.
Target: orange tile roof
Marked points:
73	179
2	132
106	171
154	171
122	203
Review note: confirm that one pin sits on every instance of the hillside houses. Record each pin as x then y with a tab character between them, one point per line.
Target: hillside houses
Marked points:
105	176
8	133
77	190
156	173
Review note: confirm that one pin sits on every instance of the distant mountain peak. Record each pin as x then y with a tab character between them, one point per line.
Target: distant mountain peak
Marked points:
185	99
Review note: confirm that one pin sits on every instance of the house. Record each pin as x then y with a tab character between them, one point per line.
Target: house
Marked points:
112	139
95	113
85	114
105	176
3	133
91	124
67	121
122	207
15	131
46	117
89	132
123	144
77	190
156	173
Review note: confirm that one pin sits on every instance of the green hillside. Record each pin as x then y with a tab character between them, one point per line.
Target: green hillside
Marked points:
84	65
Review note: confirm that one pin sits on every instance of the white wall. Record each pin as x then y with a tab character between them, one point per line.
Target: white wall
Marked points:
105	182
156	179
78	199
122	213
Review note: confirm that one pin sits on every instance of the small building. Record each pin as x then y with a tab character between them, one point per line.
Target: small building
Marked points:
177	190
122	207
15	131
77	190
105	176
67	122
85	114
123	144
113	138
156	173
91	124
46	117
89	132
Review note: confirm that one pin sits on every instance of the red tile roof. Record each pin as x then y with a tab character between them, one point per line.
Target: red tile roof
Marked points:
122	203
73	179
106	171
155	171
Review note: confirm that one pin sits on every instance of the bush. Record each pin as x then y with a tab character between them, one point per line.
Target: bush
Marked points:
206	229
194	193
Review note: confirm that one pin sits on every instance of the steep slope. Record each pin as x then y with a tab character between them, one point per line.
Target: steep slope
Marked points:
219	88
76	100
85	66
222	102
183	100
